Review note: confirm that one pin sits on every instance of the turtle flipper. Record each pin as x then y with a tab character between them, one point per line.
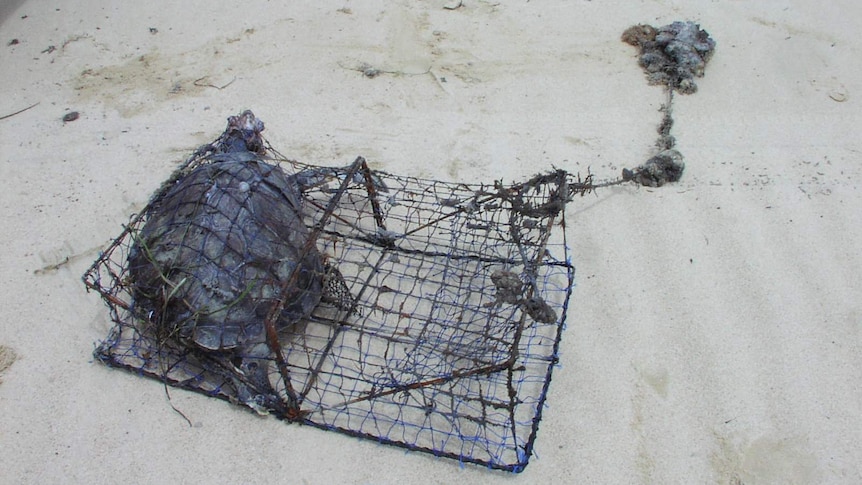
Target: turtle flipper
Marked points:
336	291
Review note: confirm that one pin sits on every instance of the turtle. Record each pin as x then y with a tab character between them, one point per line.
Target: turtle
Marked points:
222	247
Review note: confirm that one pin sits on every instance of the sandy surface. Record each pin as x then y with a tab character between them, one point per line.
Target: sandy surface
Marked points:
714	332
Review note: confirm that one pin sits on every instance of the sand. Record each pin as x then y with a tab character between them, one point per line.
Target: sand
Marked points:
714	331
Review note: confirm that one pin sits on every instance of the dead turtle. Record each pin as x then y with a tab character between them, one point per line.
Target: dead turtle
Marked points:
222	248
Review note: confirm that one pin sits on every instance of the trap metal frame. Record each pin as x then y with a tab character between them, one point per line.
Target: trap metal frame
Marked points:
460	294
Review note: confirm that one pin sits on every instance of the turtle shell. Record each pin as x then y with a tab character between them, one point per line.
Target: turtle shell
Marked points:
219	249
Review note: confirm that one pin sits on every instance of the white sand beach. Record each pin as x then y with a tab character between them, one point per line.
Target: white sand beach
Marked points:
714	333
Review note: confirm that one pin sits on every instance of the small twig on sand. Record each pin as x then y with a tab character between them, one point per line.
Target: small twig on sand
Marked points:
53	267
198	83
19	111
371	72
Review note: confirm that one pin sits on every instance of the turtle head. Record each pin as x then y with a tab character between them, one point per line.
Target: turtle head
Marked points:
255	389
243	134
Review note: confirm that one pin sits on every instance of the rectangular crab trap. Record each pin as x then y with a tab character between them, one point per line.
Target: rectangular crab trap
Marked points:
441	326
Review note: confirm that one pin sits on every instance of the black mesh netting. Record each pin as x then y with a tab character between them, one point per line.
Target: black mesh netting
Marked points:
437	327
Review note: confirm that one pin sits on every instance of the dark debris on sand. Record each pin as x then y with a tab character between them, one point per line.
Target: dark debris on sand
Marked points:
672	55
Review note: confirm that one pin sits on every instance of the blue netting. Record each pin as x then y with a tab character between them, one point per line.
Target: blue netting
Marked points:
457	299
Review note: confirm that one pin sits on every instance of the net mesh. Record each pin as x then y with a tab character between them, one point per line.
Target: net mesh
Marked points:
439	327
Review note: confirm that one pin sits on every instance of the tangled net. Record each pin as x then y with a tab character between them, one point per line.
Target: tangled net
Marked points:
439	334
414	312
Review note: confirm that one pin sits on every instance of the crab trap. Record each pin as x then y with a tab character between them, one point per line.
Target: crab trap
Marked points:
413	312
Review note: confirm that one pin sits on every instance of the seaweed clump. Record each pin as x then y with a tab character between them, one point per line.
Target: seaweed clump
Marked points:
665	167
672	55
